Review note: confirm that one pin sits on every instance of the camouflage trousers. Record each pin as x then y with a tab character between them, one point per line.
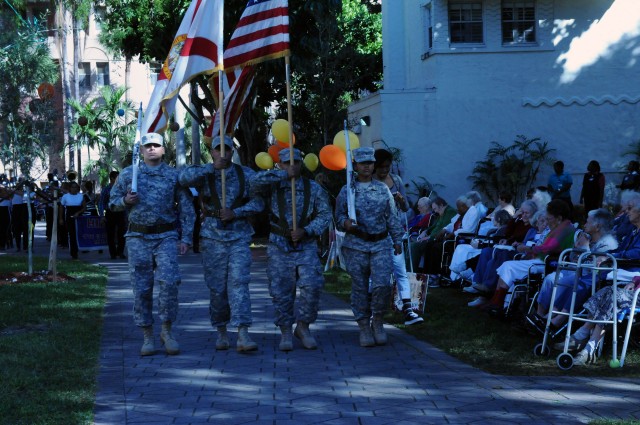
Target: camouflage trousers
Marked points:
151	261
226	273
289	271
363	266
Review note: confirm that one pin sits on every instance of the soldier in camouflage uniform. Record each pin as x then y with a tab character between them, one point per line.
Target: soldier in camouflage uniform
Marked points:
293	254
152	238
367	247
225	238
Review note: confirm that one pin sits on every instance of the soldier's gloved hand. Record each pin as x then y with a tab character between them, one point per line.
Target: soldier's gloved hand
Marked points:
297	235
348	225
227	214
184	248
131	198
397	249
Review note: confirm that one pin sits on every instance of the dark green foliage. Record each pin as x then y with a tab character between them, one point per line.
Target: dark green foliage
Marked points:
25	63
512	168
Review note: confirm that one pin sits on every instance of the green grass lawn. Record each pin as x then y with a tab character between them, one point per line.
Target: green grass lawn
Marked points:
49	344
476	338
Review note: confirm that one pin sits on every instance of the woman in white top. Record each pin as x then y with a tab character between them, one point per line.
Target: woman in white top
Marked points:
74	206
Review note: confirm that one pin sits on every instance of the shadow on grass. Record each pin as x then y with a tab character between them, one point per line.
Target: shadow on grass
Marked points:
475	338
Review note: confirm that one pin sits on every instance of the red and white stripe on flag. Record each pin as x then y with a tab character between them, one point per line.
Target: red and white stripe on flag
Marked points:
236	85
261	34
194	51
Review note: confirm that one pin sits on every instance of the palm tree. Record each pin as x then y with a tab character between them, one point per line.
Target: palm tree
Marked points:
109	128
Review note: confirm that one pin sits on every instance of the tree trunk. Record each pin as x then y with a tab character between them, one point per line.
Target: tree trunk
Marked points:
76	84
66	86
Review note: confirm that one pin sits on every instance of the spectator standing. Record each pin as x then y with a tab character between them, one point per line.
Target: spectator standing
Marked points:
74	206
5	218
20	215
225	240
394	183
152	238
559	184
367	247
116	221
48	204
631	180
593	183
293	254
90	199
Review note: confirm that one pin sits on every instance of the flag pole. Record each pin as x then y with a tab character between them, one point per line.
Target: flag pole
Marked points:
294	215
223	175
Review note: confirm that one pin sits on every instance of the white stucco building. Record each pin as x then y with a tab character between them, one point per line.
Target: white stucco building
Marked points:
461	74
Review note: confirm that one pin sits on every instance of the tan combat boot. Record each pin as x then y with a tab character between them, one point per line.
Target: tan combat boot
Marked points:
170	344
303	334
222	343
148	347
286	341
366	336
245	343
377	326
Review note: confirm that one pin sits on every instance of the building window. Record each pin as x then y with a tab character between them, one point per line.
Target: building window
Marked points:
518	22
154	72
102	74
84	75
99	16
465	22
428	26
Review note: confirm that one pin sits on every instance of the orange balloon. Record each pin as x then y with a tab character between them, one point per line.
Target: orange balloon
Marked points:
274	150
46	91
333	158
286	144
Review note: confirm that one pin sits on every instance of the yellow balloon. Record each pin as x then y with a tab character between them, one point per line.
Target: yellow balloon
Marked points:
341	142
280	130
264	161
311	161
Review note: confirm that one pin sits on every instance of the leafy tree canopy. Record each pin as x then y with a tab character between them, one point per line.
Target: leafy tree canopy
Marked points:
25	63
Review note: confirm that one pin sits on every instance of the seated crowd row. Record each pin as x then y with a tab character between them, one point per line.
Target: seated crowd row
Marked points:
489	254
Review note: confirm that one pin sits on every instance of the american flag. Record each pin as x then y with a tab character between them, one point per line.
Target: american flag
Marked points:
236	85
195	50
261	34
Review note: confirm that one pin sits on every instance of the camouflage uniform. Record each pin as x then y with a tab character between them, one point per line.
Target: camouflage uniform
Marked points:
152	237
226	256
291	266
369	254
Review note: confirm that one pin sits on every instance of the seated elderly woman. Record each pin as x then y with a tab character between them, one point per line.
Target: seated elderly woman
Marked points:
599	306
433	251
499	255
444	214
504	204
485	277
421	220
596	237
465	252
477	210
560	237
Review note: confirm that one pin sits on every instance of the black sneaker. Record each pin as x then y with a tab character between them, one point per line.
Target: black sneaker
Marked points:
411	317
